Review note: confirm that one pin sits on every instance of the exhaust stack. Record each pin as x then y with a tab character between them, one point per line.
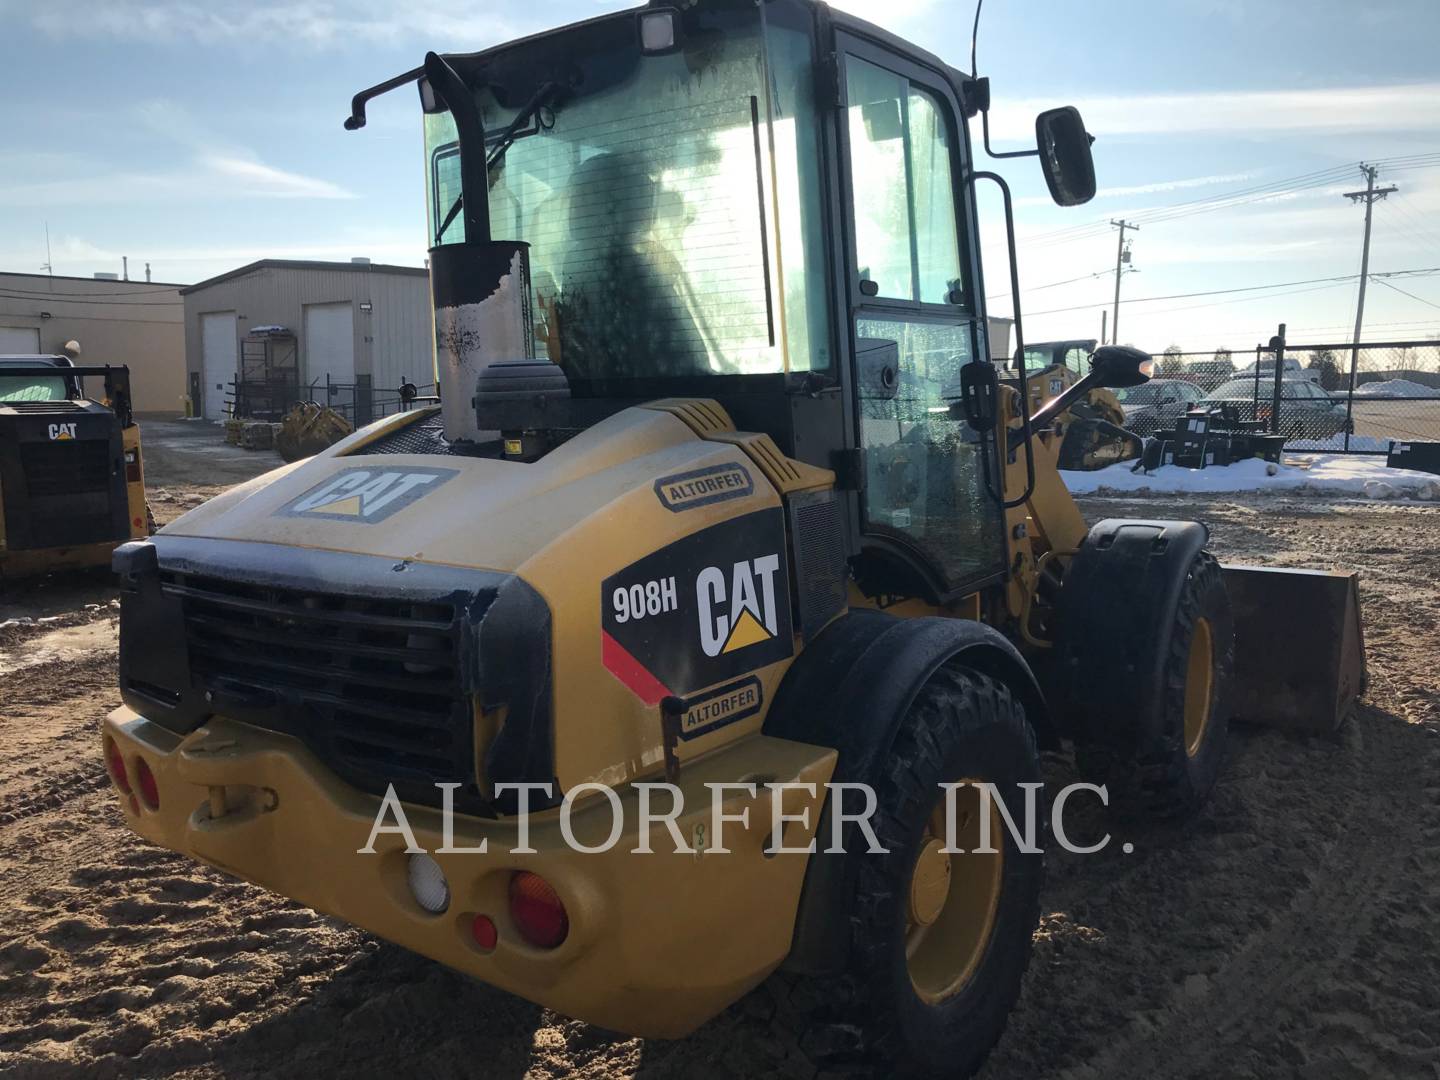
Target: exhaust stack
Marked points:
481	290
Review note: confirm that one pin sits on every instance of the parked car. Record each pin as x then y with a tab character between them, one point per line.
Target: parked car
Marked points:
1291	368
1306	410
1157	404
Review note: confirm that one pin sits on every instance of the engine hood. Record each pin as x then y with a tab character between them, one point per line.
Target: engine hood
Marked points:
457	510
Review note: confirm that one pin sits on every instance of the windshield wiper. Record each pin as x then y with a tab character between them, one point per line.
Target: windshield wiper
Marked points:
540	99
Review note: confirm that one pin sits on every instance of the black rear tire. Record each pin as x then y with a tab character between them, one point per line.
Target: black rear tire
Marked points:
961	725
1152	765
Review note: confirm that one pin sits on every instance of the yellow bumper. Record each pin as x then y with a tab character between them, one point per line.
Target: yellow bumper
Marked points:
658	943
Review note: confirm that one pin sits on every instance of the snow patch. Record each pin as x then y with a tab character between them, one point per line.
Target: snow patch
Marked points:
1396	388
1302	474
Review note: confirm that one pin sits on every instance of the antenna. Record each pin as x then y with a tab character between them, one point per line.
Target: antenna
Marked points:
46	265
974	39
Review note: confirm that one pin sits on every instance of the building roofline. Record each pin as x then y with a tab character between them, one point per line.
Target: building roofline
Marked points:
303	264
95	280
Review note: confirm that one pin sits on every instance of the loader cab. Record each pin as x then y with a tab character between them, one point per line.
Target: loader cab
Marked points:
763	204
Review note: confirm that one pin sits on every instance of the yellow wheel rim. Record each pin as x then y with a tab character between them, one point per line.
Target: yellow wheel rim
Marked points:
1199	682
953	899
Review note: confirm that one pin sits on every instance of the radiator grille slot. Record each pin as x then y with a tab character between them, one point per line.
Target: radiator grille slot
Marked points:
426	436
821	570
372	686
65	467
59	406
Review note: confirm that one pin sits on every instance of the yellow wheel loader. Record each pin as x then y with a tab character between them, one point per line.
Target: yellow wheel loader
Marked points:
72	484
1093	433
715	621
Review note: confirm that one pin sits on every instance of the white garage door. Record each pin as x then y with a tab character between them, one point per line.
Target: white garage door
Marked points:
218	351
329	348
19	340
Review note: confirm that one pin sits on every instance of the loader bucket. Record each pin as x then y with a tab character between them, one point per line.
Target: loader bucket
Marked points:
1299	646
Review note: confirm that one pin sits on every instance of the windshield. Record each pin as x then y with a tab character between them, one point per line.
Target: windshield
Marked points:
31	387
671	202
1145	394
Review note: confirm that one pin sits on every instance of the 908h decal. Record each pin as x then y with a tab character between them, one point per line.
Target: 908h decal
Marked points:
705	609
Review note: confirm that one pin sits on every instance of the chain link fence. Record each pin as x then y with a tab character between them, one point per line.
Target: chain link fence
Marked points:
359	402
1394	395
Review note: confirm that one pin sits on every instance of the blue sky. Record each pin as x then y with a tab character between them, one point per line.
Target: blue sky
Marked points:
199	136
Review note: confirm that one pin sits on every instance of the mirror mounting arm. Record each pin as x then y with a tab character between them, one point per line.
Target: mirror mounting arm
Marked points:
356	120
975	93
985	126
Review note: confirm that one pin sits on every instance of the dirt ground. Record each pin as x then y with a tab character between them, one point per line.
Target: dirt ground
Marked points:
1292	930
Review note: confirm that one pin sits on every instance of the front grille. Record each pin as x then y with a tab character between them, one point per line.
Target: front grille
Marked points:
60	406
66	467
372	686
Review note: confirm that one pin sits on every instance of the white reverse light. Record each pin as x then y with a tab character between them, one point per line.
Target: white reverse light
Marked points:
657	31
428	884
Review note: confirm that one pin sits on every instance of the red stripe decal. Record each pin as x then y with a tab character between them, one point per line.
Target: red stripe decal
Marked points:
631	672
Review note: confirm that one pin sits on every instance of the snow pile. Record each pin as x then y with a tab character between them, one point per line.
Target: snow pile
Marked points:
1305	474
1396	388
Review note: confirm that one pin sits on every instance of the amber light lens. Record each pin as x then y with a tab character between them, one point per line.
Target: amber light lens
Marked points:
115	766
537	911
145	781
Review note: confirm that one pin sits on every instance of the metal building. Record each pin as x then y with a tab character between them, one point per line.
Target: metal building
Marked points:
136	323
349	333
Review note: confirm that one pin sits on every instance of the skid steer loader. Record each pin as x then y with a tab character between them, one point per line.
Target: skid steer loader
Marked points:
72	483
722	492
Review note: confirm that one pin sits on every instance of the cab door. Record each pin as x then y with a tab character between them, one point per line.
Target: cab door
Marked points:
915	321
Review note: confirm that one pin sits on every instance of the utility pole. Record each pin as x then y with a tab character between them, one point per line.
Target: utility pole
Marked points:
1370	195
1122	225
1103	316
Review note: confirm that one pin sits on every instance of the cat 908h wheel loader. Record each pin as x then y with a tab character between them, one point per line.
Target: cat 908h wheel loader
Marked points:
722	492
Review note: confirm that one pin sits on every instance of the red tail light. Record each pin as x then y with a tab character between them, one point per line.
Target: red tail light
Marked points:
115	766
482	929
537	911
145	781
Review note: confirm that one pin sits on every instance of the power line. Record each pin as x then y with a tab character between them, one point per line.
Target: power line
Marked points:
1223	200
1402	292
1250	288
1054	284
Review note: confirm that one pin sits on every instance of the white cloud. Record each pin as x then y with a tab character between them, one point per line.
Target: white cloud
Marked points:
1367	109
456	23
257	178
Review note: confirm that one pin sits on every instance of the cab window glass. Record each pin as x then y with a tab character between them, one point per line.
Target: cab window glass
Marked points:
924	468
901	187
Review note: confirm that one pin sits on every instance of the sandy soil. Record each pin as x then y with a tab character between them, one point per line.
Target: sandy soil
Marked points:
1293	930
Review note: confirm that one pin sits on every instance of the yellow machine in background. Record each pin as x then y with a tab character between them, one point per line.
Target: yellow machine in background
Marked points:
751	507
72	481
1092	431
309	428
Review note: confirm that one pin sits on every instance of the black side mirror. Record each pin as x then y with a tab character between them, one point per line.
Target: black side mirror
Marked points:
979	386
1065	155
1118	366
